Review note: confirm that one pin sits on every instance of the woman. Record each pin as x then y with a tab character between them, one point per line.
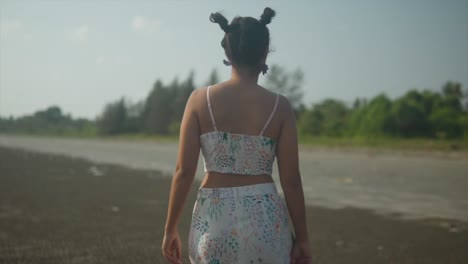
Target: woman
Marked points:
240	128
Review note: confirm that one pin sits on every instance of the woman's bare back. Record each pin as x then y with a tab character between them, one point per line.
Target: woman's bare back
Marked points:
239	110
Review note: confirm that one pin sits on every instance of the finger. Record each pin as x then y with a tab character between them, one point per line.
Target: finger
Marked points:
169	257
173	260
169	252
176	251
177	255
179	249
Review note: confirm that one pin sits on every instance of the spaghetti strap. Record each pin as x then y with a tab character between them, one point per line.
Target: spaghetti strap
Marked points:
271	115
209	108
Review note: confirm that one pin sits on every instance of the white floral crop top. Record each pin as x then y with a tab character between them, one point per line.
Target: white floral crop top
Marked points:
238	153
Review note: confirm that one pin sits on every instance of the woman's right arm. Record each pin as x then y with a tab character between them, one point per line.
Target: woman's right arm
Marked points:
290	177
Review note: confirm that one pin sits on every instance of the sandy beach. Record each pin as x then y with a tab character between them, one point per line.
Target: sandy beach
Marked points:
56	209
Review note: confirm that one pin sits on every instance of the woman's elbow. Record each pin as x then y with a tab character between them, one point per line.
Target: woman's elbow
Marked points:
184	173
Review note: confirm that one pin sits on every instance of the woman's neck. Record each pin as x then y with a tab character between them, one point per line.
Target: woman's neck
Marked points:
243	76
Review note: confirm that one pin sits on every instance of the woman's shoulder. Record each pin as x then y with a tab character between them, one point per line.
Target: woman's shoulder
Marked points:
284	105
283	108
196	99
199	94
200	90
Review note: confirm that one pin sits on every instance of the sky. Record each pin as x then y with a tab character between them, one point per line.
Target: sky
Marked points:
80	55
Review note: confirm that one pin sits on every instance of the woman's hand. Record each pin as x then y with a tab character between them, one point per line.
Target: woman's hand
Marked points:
300	253
172	247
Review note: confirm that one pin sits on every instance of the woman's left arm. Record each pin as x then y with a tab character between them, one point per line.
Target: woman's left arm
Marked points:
187	160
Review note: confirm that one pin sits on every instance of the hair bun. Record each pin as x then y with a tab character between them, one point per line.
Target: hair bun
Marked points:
221	20
267	15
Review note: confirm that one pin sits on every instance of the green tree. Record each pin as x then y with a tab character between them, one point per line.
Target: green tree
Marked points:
328	118
452	89
213	79
113	119
157	113
430	100
181	93
134	115
463	123
372	119
52	114
446	123
452	96
335	114
410	118
357	104
310	122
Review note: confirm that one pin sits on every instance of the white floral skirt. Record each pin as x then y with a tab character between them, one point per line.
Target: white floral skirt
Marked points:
247	224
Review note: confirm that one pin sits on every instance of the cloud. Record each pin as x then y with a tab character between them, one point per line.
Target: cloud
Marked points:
9	27
145	25
80	34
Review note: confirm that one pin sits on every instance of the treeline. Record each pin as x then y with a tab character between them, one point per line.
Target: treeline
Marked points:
51	121
421	114
426	114
159	113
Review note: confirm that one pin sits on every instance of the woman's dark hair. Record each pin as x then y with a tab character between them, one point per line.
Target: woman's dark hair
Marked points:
247	39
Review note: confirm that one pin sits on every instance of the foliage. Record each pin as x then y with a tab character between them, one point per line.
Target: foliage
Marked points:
165	105
113	119
372	119
416	114
326	118
49	121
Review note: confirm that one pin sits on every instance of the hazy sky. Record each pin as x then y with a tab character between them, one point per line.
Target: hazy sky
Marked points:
81	55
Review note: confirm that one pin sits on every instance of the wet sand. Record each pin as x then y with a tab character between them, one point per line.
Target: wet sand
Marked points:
56	209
